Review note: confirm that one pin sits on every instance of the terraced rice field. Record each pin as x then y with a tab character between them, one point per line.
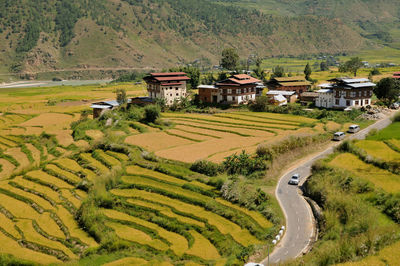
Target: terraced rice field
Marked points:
201	136
379	150
380	178
37	211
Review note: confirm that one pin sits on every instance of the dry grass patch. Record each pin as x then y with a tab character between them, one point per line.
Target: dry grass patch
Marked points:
118	155
38	200
63	137
92	162
31	235
165	211
48	225
69	165
261	220
9	246
67	175
137	170
179	244
332	126
202	247
109	160
18	208
73	227
225	226
94	134
35	152
378	149
18	155
165	187
156	141
66	193
187	135
8	225
42	176
137	236
380	178
278	117
39	188
7	169
127	261
7	142
198	151
50	121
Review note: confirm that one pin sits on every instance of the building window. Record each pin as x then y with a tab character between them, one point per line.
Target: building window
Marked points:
357	102
229	91
245	90
170	88
176	88
177	94
233	98
224	91
233	91
337	102
170	95
348	103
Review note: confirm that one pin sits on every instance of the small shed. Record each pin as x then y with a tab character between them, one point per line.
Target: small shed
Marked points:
290	96
278	100
100	107
308	97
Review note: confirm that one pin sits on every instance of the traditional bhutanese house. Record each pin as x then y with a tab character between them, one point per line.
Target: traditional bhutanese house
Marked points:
238	89
168	86
209	94
396	75
278	100
297	84
344	93
308	97
101	107
290	96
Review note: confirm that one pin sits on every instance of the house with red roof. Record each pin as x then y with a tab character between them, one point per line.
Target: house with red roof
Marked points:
168	86
237	89
396	75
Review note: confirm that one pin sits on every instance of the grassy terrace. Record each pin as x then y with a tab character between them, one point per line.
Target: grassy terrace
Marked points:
358	189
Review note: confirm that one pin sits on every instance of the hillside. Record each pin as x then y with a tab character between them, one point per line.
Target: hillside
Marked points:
90	34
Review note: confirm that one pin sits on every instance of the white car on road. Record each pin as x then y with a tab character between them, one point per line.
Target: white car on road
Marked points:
294	180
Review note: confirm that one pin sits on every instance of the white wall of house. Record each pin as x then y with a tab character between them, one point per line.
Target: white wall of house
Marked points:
325	100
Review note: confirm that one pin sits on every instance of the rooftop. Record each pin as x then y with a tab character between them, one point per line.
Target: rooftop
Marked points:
286	93
206	87
290	84
289	79
172	78
168	74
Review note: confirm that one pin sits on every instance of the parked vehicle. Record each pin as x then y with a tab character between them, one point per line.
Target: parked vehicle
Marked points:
294	180
354	129
339	136
395	106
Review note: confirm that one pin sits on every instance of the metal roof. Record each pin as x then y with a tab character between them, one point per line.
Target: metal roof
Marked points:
112	103
280	98
350	80
361	85
206	87
98	106
290	84
326	85
288	93
168	74
325	91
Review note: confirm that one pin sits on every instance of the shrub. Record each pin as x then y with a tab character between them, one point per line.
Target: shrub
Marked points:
135	113
205	167
243	164
151	113
396	118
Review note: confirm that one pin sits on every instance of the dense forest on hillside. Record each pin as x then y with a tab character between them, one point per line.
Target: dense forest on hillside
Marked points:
58	34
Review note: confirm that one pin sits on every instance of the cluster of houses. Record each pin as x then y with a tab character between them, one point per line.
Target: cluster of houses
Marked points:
339	93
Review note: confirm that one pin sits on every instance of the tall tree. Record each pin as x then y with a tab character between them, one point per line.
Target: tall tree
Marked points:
258	71
278	72
307	71
324	66
121	96
353	65
230	59
388	90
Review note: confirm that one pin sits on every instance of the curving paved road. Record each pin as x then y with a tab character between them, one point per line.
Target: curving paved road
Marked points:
300	227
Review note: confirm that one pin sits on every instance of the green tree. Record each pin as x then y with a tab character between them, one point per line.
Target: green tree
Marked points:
324	66
222	76
307	71
278	72
258	71
192	72
353	65
208	79
230	59
388	90
121	96
151	113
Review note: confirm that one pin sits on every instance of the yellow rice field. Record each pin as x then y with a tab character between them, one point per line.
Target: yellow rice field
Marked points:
380	178
225	226
202	247
87	157
379	150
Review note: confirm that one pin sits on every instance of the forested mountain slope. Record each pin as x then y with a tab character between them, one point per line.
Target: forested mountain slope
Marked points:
41	35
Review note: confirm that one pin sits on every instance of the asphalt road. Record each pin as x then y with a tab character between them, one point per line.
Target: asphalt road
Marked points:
300	228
